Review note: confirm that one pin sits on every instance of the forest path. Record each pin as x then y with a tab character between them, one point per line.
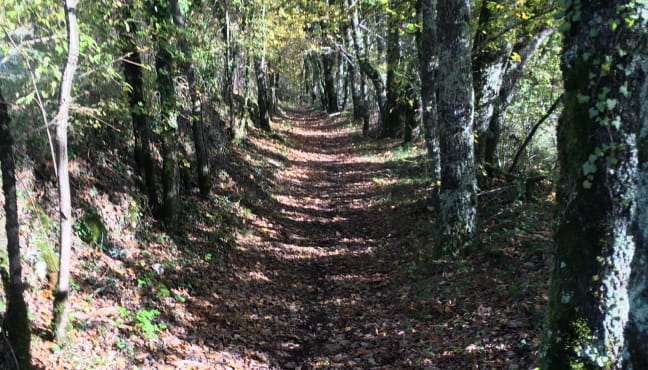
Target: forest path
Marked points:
330	298
327	268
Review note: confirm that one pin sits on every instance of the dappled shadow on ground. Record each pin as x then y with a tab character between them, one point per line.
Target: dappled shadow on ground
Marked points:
326	272
313	252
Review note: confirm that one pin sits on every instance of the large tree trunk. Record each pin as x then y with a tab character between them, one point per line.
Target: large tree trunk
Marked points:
16	322
489	62
458	198
143	153
392	123
588	298
60	317
328	64
428	69
161	12
262	94
196	114
637	328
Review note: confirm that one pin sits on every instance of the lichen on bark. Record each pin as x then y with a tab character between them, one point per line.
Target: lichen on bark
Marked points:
597	189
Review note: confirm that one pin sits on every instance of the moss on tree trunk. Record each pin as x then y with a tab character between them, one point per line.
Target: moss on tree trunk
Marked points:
457	198
588	299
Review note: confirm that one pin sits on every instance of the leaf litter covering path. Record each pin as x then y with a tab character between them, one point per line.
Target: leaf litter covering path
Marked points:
307	255
323	279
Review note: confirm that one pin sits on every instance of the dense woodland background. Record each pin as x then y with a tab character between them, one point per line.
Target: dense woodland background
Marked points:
324	184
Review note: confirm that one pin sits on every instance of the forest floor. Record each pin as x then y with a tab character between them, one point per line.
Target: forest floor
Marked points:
313	254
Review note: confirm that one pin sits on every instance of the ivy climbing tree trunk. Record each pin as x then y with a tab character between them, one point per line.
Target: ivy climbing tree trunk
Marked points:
60	315
588	298
457	198
16	322
429	82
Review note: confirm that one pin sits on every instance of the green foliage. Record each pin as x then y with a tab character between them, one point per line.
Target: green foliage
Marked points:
144	321
534	96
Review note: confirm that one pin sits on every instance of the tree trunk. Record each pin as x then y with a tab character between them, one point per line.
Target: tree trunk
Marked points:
637	328
262	93
341	79
134	76
161	12
392	123
458	198
273	98
354	84
328	64
588	297
16	322
60	317
525	47
489	62
196	115
358	88
369	70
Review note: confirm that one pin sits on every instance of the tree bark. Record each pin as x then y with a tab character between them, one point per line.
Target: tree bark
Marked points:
328	64
358	87
489	62
262	93
637	328
342	79
458	198
134	76
428	69
370	71
392	123
196	114
60	317
588	298
354	83
16	321
161	12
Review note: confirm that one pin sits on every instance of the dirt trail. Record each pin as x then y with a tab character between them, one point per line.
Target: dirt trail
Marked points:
325	275
322	246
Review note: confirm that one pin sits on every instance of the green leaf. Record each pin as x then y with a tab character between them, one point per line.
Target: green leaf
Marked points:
593	112
588	168
566	26
617	122
624	90
612	161
27	99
